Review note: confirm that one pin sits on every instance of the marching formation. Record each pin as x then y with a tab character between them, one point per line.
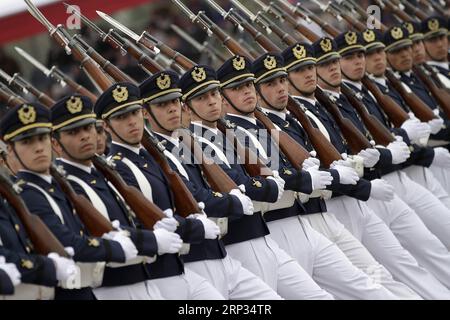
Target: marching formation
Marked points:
306	166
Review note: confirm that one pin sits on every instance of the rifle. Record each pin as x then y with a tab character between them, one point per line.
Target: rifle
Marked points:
411	8
8	97
293	151
185	203
95	222
355	139
21	84
146	211
43	240
379	132
252	164
57	74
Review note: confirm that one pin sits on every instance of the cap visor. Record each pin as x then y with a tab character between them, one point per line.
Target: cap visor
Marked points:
31	133
210	87
126	110
238	82
77	124
273	76
166	97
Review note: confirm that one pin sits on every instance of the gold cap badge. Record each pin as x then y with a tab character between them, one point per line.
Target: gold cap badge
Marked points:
409	27
27	114
74	105
238	63
163	81
326	44
198	74
433	24
350	38
270	62
120	94
396	33
369	35
299	52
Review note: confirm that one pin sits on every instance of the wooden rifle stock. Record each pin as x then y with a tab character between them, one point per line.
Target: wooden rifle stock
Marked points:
293	151
185	203
75	86
8	98
395	113
146	211
252	164
21	83
95	222
379	132
417	106
216	177
441	95
355	139
326	152
43	240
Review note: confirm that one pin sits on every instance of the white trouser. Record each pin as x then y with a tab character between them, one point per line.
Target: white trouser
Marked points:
263	257
144	290
232	280
324	261
432	256
369	239
186	286
442	175
434	214
25	291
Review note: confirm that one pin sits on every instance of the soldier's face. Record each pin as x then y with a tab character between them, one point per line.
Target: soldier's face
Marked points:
35	153
167	113
79	143
242	96
128	126
275	92
304	78
353	65
331	72
418	52
101	139
437	47
376	62
207	106
401	60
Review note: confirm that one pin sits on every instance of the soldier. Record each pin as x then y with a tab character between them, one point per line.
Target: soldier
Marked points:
103	139
121	108
303	83
418	48
26	131
74	139
161	98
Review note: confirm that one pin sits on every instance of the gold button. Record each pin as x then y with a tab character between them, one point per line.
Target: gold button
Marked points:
16	226
81	232
28	249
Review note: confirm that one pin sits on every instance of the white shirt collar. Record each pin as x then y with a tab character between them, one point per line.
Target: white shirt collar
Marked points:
356	84
408	73
335	94
200	124
439	64
171	139
311	101
380	80
46	177
250	119
280	114
77	165
127	146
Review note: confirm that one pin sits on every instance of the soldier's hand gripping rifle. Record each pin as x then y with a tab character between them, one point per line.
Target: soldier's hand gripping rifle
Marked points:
57	74
43	240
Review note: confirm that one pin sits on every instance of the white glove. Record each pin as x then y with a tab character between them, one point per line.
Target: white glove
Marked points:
11	270
246	202
370	157
310	162
435	125
320	179
169	224
279	181
441	157
66	269
399	150
212	230
125	242
168	242
416	130
346	175
381	190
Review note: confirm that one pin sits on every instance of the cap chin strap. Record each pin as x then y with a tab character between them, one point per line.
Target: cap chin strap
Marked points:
118	136
258	88
245	113
156	120
304	93
327	83
428	53
18	158
68	153
195	112
354	80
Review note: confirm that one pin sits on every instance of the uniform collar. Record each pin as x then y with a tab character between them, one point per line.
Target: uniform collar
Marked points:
279	114
380	80
127	146
200	124
77	165
247	118
335	94
358	85
443	65
171	139
45	177
310	101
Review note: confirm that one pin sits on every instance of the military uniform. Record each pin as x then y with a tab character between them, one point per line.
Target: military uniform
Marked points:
138	168
44	197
